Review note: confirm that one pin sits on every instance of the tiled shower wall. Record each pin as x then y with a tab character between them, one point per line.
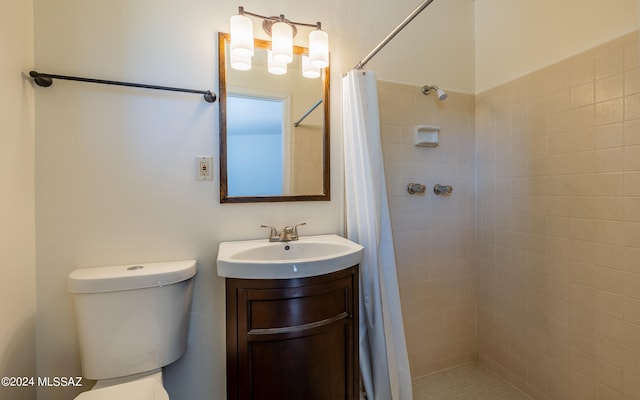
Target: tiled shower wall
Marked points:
559	227
434	236
307	149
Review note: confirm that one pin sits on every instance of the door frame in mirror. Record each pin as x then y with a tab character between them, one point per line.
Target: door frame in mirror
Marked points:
223	40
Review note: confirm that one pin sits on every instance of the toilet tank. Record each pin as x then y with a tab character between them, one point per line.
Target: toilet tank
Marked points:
131	318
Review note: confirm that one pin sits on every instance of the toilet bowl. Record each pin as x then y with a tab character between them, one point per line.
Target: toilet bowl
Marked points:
132	320
148	388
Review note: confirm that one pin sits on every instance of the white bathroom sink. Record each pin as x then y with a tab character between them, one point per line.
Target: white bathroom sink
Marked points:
307	256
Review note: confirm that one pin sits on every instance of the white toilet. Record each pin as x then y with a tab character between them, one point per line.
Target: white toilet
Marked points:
132	320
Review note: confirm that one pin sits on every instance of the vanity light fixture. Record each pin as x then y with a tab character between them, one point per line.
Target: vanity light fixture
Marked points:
242	33
274	66
281	41
282	32
240	63
308	70
319	48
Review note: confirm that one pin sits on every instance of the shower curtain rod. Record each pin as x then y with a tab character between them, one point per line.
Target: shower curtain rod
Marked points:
45	80
313	107
393	33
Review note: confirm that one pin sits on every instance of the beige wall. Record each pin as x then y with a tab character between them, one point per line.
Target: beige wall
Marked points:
436	48
115	174
115	166
559	210
434	236
17	237
514	38
307	149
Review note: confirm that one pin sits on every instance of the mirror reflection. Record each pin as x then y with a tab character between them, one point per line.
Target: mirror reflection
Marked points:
274	135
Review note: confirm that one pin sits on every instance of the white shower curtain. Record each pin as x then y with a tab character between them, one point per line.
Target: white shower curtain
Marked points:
384	362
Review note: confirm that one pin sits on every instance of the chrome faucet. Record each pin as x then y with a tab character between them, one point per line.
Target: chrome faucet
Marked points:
287	234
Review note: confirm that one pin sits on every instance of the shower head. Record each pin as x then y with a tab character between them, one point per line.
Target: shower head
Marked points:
442	95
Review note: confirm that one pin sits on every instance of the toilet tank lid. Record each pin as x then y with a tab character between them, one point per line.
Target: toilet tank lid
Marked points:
130	276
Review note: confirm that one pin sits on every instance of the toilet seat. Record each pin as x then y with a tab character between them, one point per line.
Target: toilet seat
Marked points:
143	389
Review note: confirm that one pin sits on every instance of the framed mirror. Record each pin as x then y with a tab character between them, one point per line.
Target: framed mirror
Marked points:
274	130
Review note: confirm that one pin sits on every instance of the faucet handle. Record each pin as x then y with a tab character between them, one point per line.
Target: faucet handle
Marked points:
295	229
273	233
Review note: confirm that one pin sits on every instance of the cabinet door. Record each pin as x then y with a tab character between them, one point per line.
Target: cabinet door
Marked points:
311	364
294	339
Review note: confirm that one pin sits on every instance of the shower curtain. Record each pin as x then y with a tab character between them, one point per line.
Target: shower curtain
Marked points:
384	362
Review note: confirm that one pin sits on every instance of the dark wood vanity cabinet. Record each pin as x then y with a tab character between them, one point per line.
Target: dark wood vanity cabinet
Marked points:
293	339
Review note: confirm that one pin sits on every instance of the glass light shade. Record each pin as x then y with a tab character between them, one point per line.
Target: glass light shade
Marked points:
274	66
308	70
241	36
240	63
319	48
282	42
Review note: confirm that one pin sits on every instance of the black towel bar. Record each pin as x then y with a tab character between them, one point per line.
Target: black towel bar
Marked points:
45	80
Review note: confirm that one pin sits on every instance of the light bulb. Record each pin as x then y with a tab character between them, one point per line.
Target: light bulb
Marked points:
282	42
274	66
319	48
308	70
241	36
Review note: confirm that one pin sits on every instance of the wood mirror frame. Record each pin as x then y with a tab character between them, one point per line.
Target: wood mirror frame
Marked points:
223	41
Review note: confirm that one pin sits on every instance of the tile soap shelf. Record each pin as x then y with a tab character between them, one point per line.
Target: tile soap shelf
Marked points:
426	135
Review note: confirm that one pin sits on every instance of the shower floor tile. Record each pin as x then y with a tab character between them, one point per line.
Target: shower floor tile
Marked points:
466	382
